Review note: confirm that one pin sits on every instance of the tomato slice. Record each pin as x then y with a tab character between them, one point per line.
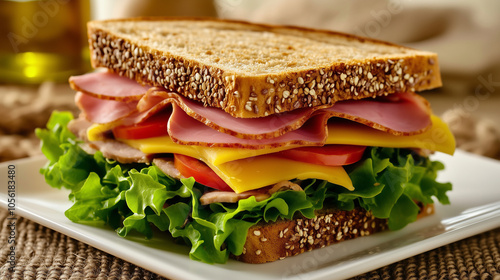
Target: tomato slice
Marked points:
154	126
331	155
191	167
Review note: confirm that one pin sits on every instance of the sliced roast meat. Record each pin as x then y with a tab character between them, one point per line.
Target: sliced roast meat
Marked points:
260	194
166	165
231	197
111	148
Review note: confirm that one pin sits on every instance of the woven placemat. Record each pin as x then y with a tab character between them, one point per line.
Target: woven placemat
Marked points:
42	253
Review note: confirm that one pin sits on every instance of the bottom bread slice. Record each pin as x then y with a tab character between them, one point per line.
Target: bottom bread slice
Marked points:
267	242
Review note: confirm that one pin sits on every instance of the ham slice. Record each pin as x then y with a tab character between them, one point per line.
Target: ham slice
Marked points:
103	111
185	130
193	124
105	85
399	113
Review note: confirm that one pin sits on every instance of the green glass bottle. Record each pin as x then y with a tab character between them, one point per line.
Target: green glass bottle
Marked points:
43	40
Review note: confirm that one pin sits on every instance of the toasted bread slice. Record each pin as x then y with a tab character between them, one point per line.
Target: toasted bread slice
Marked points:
273	241
254	70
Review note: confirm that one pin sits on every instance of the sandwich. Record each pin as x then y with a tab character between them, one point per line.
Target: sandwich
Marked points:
244	140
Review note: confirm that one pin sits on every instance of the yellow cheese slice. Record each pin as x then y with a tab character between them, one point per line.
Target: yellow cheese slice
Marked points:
438	138
96	131
253	173
244	169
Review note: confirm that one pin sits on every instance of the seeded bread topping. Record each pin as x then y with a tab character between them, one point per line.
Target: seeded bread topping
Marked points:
218	65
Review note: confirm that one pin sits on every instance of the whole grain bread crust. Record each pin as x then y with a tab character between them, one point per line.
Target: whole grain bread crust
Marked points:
250	96
282	239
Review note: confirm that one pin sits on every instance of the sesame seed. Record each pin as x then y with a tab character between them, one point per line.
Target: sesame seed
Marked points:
300	80
268	101
286	94
258	252
281	234
248	106
343	76
256	232
286	229
263	239
339	236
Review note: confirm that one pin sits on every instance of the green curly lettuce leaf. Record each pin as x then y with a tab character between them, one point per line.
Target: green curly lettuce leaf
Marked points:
139	197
